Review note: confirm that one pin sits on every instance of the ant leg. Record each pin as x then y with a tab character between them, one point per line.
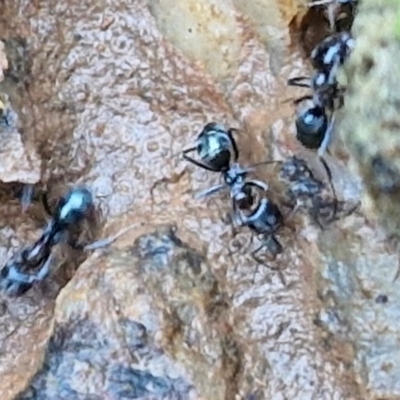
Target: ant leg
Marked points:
44	271
297	81
234	145
195	162
251	167
278	247
209	191
327	138
333	72
278	250
257	260
26	197
258	184
292	212
107	241
236	215
16	276
330	179
45	201
300	99
266	243
75	245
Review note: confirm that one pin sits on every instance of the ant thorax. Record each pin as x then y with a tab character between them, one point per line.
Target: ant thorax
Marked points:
333	50
235	175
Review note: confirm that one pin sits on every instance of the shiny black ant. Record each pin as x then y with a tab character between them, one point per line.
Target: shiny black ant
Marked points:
314	124
33	262
217	149
218	152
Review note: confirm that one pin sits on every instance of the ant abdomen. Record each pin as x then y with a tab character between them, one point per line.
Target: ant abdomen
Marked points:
266	219
311	126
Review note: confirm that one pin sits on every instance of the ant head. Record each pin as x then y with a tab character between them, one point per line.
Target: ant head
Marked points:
74	206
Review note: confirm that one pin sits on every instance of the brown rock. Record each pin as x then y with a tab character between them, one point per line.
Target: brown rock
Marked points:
144	322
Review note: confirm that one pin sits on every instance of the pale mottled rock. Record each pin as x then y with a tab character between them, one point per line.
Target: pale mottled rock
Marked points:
19	162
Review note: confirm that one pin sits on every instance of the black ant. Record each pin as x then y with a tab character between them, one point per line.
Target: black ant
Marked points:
33	263
314	130
217	149
307	189
315	123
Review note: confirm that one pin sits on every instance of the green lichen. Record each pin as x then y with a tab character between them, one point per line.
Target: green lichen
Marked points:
397	25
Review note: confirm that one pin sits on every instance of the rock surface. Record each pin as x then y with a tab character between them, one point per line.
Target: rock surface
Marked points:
19	161
178	308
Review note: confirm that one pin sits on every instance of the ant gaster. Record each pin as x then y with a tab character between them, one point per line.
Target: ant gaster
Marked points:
313	126
265	220
27	266
33	263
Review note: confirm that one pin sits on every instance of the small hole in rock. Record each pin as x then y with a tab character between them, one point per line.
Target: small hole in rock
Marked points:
313	27
381	299
310	30
367	64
